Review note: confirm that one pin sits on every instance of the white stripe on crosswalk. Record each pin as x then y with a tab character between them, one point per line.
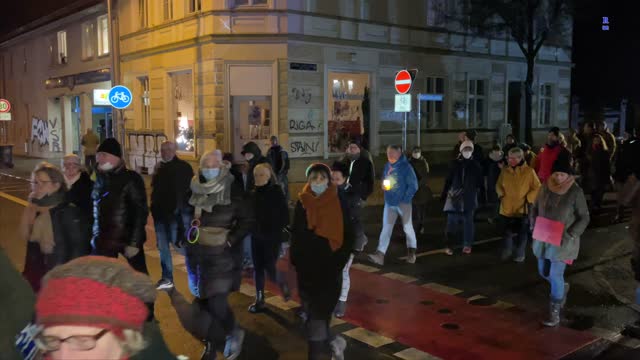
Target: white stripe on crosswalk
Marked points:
415	354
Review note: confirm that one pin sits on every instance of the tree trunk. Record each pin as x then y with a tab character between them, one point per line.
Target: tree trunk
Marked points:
528	107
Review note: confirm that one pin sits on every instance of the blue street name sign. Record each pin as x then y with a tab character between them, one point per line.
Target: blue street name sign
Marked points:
120	97
430	97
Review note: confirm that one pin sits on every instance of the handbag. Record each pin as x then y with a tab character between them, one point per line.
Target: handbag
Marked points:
213	236
455	198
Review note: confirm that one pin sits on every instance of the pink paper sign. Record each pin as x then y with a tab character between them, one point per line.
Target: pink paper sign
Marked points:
548	231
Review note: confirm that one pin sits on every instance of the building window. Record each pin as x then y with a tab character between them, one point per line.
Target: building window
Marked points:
431	110
195	5
145	101
103	35
184	111
250	2
477	103
346	116
87	40
436	12
143	14
62	47
167	10
546	101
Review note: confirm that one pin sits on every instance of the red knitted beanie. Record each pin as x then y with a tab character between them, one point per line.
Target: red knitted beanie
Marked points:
95	291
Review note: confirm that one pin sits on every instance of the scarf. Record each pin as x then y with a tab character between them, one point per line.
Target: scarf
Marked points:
324	214
208	194
38	221
560	188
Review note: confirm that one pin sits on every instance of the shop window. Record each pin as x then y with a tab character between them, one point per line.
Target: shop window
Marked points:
477	103
546	102
62	47
195	5
143	14
103	35
183	106
88	40
346	102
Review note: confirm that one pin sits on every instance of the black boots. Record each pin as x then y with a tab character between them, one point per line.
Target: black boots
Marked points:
259	305
554	314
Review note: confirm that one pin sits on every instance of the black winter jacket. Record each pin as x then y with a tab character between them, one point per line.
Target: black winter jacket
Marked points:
254	149
170	188
473	180
80	194
361	176
271	211
120	210
218	270
279	160
71	233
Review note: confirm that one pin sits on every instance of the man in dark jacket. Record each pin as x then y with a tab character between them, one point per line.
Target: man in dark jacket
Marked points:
170	207
79	185
464	180
252	153
119	207
279	160
421	168
361	174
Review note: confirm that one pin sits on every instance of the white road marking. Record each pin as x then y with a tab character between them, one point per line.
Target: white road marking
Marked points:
415	354
400	277
442	288
368	337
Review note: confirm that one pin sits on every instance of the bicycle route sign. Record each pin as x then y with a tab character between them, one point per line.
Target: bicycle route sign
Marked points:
120	97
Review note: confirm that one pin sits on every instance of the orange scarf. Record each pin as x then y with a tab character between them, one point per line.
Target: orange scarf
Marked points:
324	214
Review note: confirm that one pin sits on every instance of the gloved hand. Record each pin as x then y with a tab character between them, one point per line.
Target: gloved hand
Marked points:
131	251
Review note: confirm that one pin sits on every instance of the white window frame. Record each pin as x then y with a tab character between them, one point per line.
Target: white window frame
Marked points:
250	3
430	106
103	31
545	102
143	14
167	10
194	6
61	53
472	101
145	102
88	40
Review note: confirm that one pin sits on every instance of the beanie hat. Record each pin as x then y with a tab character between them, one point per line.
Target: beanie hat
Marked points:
315	167
341	167
110	146
95	291
555	130
562	163
465	144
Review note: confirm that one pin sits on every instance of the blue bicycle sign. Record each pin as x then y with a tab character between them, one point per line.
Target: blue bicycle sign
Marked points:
120	97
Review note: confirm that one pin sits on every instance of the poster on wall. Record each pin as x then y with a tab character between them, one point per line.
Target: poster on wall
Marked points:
346	116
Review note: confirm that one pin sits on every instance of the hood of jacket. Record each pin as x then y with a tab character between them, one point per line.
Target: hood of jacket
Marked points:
252	148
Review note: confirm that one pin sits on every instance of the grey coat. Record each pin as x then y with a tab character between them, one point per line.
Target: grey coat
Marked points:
571	210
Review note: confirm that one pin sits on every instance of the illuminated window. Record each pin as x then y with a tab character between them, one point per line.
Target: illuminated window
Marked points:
62	47
103	35
87	40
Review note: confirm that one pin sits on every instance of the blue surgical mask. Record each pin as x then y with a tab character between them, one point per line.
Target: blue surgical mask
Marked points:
318	189
210	174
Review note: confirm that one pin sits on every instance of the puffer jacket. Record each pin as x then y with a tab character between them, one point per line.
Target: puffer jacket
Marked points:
120	210
571	210
517	187
218	270
404	183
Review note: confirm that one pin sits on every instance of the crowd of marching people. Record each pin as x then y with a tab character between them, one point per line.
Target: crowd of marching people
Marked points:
225	216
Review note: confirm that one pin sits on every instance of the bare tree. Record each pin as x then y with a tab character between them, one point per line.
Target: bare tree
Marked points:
530	23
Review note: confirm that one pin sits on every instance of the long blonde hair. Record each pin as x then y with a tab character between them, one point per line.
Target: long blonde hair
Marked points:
267	166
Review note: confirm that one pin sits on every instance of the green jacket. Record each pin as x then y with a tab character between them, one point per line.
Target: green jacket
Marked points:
571	210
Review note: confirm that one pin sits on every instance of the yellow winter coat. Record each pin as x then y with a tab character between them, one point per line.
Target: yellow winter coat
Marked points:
517	187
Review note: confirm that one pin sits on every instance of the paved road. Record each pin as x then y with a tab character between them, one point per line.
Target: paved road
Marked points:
460	307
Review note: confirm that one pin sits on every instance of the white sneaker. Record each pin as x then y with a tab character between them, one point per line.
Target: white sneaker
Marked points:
164	284
338	345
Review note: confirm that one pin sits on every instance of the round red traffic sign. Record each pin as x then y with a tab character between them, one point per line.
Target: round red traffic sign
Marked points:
403	82
5	106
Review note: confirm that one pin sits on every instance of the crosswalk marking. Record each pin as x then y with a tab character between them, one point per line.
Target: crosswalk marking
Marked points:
368	337
503	305
442	288
415	354
404	278
605	334
475	297
247	289
365	268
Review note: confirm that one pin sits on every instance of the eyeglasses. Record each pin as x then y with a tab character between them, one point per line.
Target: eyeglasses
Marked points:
75	342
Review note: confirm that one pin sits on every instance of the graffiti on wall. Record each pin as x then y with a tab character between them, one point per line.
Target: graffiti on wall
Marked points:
54	136
46	132
307	146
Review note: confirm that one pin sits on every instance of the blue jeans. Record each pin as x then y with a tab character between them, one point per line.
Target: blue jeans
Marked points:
553	272
284	184
246	249
458	221
167	233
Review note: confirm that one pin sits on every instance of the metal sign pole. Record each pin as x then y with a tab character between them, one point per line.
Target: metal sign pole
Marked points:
419	120
404	133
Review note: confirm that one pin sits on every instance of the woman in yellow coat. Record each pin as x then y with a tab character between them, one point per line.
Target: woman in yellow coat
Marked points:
517	188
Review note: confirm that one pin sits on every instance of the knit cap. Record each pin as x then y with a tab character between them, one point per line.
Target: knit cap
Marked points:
95	291
111	146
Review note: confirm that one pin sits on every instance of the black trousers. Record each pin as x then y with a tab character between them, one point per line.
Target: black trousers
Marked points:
265	255
223	321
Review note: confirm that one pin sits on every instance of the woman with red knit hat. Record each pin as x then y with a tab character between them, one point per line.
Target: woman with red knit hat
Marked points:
93	308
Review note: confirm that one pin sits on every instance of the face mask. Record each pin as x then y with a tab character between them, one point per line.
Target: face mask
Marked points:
318	189
106	166
416	155
210	174
248	156
467	154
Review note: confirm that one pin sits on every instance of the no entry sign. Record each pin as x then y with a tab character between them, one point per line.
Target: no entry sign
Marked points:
403	82
5	106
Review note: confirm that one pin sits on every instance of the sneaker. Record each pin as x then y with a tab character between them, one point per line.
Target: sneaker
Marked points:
164	285
411	256
519	259
338	345
448	251
208	353
247	264
302	315
466	250
376	258
341	308
233	344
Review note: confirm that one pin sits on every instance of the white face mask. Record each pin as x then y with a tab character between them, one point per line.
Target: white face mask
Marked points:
416	155
248	156
467	154
106	166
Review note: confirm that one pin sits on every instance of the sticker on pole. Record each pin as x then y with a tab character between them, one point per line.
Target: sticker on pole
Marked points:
5	106
403	82
403	103
120	97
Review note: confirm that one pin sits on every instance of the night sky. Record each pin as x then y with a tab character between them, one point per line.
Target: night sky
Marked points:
605	61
